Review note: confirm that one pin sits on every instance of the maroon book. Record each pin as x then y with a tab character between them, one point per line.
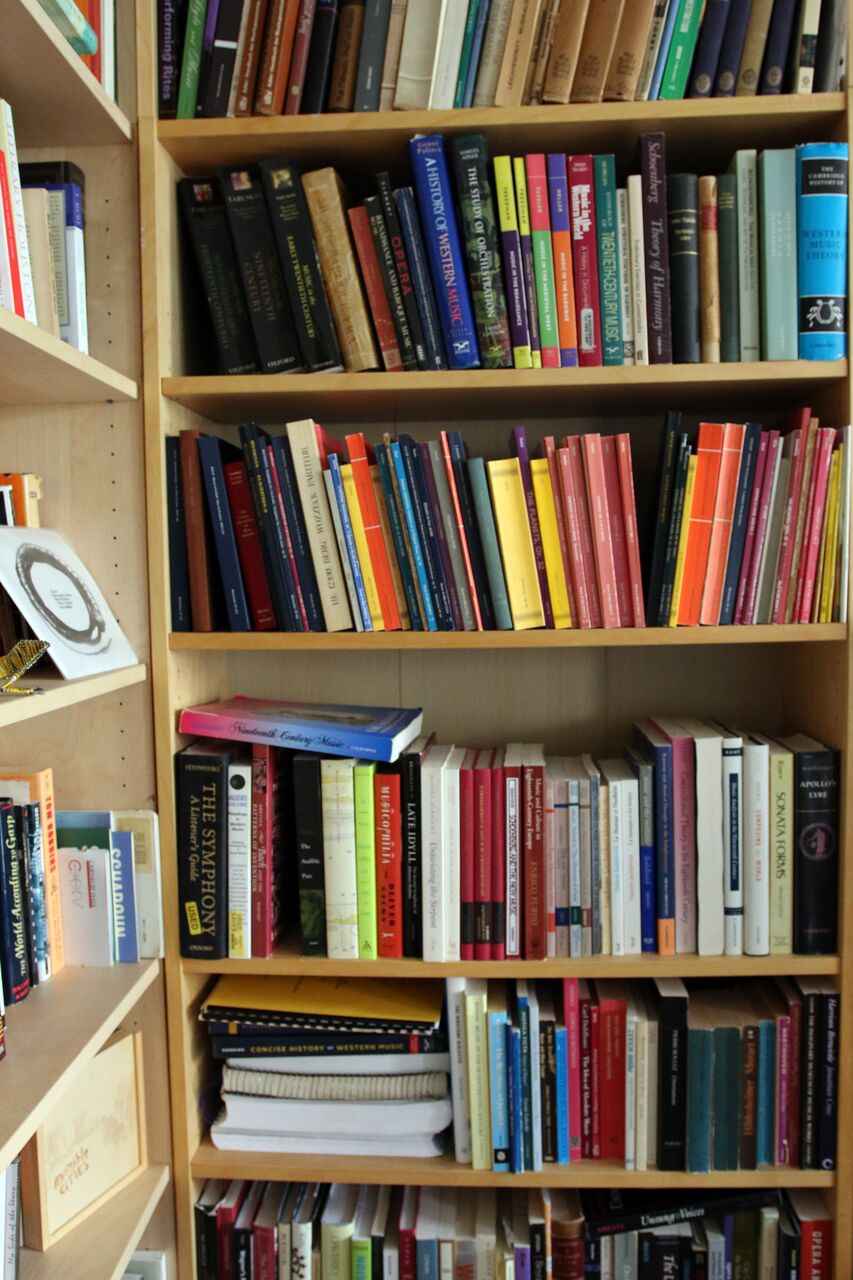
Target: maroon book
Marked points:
299	57
201	603
249	546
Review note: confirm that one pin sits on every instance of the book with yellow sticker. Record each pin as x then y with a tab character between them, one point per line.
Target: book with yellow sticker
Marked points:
326	1004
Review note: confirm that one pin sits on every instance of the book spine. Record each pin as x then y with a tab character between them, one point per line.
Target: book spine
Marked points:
282	542
402	268
438	539
806	51
528	269
745	164
391	59
239	861
202	856
810	1079
650	57
253	447
461	486
488	536
777	236
210	460
709	272
483	10
421	283
223	57
638	271
748	487
778	44
389	866
248	59
373	531
728	267
494	41
399	535
365	858
585	259
461	521
277	49
543	261
827	1123
374	285
653	173
672	1084
561	238
191	60
625	300
14	953
608	259
249	546
436	585
629	51
179	582
816	845
480	232
410	516
565	49
684	268
281	464
822	186
410	803
308	826
390	281
467	871
728	63
533	791
680	55
368	81
708	48
518	446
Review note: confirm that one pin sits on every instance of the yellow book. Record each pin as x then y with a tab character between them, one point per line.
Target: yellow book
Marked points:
379	999
508	222
547	512
682	541
477	1040
522	581
361	548
524	230
830	551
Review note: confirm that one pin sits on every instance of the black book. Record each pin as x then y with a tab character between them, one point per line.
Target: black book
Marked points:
831	46
613	1211
308	811
657	553
672	1003
205	1217
223	57
827	1126
171	26
37	898
816	831
809	1071
789	1245
410	812
252	445
30	906
538	1246
213	249
391	281
260	271
749	459
548	1086
679	486
202	803
371	55
320	57
684	267
14	962
300	265
401	265
653	170
241	1236
213	453
179	580
413	465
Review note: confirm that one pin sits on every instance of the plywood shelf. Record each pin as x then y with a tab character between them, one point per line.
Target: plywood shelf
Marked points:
372	138
100	1248
209	1162
481	393
53	1033
59	693
55	98
38	369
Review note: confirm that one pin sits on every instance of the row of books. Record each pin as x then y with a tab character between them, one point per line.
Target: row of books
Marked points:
457	854
750	526
20	495
536	261
89	26
369	55
260	1229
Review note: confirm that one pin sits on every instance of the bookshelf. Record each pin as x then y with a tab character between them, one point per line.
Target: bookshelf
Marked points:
576	690
76	421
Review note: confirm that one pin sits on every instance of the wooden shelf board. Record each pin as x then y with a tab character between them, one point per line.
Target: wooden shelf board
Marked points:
209	1162
363	397
54	96
102	1245
59	693
58	1028
197	145
393	641
38	369
287	960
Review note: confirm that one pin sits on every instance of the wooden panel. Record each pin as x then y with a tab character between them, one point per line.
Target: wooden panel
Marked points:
37	368
59	693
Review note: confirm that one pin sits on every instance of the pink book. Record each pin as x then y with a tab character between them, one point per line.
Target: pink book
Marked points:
571	1017
774	451
483	855
602	541
721	530
581	499
581	617
550	867
498	879
814	524
540	221
799	454
467	857
288	543
585	259
684	833
594	1069
783	1084
629	521
585	1041
549	450
617	531
751	524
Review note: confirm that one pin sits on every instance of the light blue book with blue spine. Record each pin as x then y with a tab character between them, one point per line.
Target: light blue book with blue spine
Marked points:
124	897
499	1080
822	194
561	1043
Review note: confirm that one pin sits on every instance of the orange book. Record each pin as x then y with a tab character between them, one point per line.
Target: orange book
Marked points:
275	57
708	454
357	452
602	541
721	531
24	786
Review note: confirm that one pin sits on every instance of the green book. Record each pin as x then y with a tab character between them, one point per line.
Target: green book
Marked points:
745	167
728	259
365	859
191	62
489	539
680	56
71	22
607	236
465	56
727	1075
362	1259
777	238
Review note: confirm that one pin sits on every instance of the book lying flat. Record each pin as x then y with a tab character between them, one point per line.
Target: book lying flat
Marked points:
307	1087
329	1119
379	1064
334	1004
227	1139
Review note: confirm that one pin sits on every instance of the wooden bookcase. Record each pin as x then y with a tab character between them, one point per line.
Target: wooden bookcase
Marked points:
574	691
76	420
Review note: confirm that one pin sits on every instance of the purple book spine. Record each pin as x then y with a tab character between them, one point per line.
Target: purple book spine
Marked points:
522	1262
518	447
515	295
443	549
653	168
210	27
558	203
530	295
783	1072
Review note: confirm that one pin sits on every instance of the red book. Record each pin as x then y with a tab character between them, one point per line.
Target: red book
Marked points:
201	600
709	450
594	1073
288	542
721	530
602	541
226	1215
814	524
611	1073
498	877
275	58
460	529
467	856
299	57
629	521
789	526
389	864
406	1234
535	907
249	546
540	221
483	810
267	794
11	242
774	448
582	615
264	1233
618	538
586	1073
815	1221
371	274
585	260
549	450
751	526
377	550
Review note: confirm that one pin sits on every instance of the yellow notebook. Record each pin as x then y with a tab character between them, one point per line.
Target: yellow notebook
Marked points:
376	999
508	221
682	541
544	494
361	548
524	227
522	582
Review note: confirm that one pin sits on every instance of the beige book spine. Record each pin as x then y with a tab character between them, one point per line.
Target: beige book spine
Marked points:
599	37
709	270
417	54
494	43
521	35
565	48
391	62
539	61
753	48
325	194
41	258
626	62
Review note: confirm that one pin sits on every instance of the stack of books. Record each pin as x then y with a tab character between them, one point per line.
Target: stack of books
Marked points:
89	26
404	1233
224	59
335	1073
526	262
455	854
650	1075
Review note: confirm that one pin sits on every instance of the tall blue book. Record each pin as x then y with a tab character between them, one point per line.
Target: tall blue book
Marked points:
434	192
124	897
822	249
210	453
499	1088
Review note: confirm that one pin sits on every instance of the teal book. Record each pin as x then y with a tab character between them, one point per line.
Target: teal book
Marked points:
726	1098
191	61
777	240
728	266
607	236
822	195
73	25
744	165
467	48
766	1106
681	50
700	1074
489	538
